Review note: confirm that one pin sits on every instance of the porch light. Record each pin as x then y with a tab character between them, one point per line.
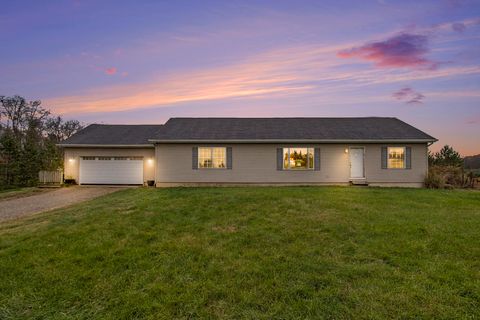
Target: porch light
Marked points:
71	160
150	161
346	150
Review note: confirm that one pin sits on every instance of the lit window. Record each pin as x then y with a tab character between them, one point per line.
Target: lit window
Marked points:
396	158
212	157
298	158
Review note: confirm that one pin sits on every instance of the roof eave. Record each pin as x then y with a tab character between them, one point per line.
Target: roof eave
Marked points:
81	145
293	140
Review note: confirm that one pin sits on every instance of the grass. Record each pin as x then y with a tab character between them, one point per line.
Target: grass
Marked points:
254	253
19	192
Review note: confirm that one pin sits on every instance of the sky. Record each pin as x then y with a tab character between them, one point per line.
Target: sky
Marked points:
137	62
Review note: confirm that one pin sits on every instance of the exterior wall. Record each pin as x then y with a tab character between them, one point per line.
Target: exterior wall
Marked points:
72	159
392	177
256	164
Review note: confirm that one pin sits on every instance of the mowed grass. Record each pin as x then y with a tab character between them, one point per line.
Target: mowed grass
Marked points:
20	192
254	253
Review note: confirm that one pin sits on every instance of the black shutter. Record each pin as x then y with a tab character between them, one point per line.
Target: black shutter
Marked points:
316	160
229	157
408	158
279	158
195	158
384	157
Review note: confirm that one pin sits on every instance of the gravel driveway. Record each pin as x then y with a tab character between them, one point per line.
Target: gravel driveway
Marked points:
16	208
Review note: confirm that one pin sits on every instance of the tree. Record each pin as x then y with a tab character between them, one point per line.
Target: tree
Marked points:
447	156
58	130
28	138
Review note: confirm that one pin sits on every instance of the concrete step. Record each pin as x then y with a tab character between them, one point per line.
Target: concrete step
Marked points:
359	182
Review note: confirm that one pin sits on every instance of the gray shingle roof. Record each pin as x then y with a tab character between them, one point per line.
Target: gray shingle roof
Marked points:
371	128
102	134
250	129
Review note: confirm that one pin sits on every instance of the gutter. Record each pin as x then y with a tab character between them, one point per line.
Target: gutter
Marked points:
67	145
295	141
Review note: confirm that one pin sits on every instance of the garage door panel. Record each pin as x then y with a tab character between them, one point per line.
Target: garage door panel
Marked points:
111	171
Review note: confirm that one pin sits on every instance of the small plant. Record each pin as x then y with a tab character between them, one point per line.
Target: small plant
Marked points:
434	180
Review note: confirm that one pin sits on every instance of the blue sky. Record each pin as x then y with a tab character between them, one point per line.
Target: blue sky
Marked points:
146	61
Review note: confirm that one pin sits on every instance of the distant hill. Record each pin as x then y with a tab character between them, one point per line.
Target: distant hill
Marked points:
472	162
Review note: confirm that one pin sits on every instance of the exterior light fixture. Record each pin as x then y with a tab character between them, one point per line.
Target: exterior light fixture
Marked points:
71	160
346	150
150	161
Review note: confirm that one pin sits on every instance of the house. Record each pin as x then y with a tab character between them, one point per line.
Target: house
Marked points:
237	151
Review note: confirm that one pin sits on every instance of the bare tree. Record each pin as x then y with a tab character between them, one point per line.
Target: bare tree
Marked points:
28	138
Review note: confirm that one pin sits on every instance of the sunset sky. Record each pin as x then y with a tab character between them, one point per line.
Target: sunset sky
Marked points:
147	61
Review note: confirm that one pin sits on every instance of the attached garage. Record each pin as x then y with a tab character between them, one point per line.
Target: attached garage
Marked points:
111	170
111	154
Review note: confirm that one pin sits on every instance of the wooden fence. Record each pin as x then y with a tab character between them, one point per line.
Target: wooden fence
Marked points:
50	177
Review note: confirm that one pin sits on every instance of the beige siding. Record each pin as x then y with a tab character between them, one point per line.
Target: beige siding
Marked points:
376	175
256	163
72	159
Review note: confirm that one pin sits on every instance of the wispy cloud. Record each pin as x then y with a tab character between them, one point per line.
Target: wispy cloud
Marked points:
473	120
458	27
403	50
313	69
409	95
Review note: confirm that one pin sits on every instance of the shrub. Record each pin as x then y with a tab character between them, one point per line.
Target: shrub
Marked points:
434	180
440	177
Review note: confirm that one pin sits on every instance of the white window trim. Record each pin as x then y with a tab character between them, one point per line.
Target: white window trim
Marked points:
404	157
211	158
308	159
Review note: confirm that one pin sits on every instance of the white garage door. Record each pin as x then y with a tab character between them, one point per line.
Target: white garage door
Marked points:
111	170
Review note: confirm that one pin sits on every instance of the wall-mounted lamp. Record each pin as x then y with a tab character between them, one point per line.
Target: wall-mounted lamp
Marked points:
346	150
71	160
150	161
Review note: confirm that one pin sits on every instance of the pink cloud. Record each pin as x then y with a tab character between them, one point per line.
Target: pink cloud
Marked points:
403	50
111	71
409	95
473	120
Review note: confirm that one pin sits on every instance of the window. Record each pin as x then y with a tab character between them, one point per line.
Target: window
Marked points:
104	158
136	158
120	158
298	158
88	158
215	158
396	158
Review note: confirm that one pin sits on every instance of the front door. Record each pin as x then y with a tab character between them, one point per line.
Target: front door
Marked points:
356	163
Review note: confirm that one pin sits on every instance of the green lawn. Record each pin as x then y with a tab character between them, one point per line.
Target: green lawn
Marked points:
19	192
255	253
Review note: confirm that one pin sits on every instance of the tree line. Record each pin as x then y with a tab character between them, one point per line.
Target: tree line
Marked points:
28	137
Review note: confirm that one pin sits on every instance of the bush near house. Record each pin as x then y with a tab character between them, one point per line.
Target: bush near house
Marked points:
447	170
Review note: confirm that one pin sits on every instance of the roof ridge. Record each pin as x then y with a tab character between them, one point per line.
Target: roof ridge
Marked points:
117	124
249	118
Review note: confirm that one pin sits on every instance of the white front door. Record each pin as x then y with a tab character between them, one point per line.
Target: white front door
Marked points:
356	163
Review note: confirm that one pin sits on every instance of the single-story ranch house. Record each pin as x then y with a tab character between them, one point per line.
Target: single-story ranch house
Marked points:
236	151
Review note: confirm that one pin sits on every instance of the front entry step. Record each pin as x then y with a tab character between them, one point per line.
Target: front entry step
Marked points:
359	182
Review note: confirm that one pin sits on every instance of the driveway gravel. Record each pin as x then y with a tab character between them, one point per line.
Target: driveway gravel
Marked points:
21	207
